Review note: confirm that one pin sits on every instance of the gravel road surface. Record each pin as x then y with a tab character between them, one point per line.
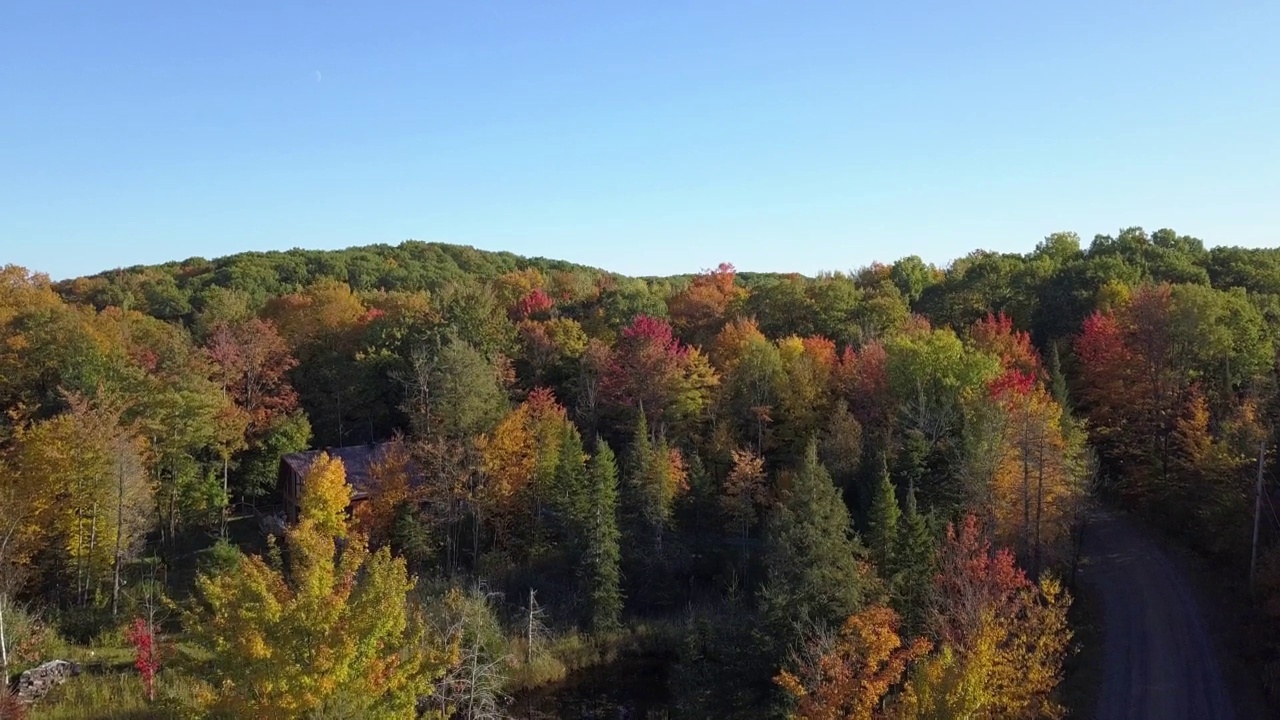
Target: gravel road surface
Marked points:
1159	662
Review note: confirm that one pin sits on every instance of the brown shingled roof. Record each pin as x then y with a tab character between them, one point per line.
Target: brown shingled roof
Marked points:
357	459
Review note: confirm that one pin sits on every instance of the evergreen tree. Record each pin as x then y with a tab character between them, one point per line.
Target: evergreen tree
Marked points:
699	507
653	475
664	478
1057	381
882	525
916	560
911	466
635	492
600	562
570	490
810	557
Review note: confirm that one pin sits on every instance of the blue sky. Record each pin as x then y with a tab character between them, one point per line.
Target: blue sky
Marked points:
641	137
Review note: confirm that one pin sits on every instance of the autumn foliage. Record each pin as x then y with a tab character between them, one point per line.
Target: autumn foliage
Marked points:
333	629
146	654
848	676
854	491
1005	636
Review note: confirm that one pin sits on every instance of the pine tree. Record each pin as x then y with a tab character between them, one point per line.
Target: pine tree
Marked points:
601	560
635	491
882	525
916	559
665	478
655	474
1057	381
569	491
813	576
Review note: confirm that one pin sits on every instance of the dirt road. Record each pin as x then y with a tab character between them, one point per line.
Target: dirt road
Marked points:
1159	661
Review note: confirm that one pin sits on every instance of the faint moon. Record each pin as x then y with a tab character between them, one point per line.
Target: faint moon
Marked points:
318	76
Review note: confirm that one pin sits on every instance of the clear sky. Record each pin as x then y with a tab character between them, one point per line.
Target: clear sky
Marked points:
644	137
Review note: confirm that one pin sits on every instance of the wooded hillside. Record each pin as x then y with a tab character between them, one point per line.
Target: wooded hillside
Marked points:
845	496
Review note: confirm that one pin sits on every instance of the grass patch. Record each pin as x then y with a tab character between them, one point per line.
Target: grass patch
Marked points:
109	687
118	696
573	652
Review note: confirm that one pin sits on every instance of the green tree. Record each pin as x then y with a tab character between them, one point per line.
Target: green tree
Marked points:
454	393
1057	379
882	525
569	491
752	392
911	275
814	579
475	315
260	464
600	563
636	498
916	559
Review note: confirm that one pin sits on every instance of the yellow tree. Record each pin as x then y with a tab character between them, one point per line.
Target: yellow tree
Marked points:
731	342
805	398
1004	637
389	488
78	483
330	634
847	677
746	489
519	462
1038	468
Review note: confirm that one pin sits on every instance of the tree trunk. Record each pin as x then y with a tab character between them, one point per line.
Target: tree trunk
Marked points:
528	651
475	538
4	646
4	599
341	428
151	651
93	544
173	505
115	570
1039	505
475	671
226	496
1026	485
79	545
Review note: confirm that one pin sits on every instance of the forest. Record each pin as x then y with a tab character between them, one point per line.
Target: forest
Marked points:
731	495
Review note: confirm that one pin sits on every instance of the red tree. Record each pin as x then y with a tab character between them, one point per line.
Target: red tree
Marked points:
146	654
995	334
1128	389
973	580
864	377
1011	384
537	303
645	369
253	361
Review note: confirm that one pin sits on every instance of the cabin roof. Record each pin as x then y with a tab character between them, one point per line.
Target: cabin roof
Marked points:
357	459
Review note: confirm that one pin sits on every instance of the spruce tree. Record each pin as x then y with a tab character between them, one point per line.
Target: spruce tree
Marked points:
810	558
917	561
882	525
601	560
1057	381
649	492
661	494
635	490
569	481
